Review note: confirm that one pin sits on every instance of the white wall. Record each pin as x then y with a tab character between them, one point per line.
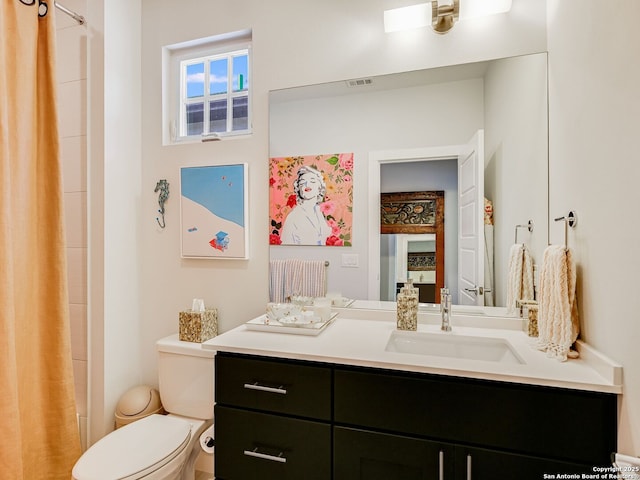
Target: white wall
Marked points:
594	169
114	179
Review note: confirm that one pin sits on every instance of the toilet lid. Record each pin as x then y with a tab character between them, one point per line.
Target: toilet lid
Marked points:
135	449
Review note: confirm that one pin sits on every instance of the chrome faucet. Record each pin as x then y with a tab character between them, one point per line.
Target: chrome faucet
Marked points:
445	309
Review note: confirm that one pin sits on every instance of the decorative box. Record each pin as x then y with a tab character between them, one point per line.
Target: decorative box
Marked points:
198	327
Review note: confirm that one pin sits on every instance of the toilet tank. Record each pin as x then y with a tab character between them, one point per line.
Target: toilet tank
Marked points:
185	377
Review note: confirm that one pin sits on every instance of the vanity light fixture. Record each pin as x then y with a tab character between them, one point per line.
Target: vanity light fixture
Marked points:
441	14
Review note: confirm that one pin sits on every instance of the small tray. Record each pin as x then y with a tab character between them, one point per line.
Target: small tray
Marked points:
347	303
311	329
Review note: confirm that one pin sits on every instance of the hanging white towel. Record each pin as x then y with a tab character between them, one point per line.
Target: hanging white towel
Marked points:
292	277
558	323
519	276
276	280
305	277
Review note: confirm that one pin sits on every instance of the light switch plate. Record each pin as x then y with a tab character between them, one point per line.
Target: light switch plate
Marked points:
351	260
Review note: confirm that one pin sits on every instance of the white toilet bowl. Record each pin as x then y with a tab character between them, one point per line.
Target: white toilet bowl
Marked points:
160	447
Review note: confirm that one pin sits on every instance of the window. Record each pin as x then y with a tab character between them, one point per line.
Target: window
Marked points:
209	88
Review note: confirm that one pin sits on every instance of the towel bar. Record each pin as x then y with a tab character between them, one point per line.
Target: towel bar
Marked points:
570	220
528	226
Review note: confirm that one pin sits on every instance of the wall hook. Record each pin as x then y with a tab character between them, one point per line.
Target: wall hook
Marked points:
163	187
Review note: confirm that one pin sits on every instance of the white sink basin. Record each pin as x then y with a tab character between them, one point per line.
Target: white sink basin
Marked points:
453	346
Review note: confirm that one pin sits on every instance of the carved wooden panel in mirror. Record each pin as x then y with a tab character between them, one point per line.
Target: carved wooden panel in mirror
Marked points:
421	213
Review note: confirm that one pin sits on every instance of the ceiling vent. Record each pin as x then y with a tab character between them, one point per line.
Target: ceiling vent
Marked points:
360	82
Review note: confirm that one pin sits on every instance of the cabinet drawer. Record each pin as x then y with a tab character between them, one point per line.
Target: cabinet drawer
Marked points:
363	455
556	423
292	388
253	445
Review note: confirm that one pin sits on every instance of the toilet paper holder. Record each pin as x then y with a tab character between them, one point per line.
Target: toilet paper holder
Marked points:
207	440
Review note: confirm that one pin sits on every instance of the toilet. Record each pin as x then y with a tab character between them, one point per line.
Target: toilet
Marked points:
160	446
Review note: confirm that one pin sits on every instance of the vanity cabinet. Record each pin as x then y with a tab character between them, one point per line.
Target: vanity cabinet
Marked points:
277	418
272	419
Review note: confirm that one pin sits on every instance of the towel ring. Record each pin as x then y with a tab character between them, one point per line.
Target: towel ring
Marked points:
528	226
570	220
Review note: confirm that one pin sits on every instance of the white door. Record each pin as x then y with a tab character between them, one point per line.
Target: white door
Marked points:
471	222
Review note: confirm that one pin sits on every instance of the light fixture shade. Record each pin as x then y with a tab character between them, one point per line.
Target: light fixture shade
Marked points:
405	18
441	14
481	8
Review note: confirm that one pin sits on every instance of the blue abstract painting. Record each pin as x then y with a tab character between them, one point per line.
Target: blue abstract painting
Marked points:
214	211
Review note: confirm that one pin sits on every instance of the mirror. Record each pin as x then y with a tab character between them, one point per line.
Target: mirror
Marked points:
391	123
413	257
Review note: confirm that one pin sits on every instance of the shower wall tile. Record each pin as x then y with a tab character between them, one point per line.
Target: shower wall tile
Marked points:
78	320
75	219
71	70
72	104
73	152
71	54
80	371
77	275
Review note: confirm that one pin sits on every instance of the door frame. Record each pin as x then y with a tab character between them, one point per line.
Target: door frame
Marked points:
376	159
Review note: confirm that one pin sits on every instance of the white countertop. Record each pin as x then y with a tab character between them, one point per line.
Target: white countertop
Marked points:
360	337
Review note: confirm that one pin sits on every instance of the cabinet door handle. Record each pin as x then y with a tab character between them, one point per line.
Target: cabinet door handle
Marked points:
468	467
274	458
263	388
441	465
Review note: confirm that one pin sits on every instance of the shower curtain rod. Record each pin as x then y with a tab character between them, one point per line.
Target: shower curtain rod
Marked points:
77	17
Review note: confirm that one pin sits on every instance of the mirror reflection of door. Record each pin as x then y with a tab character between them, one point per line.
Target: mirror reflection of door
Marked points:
471	244
412	232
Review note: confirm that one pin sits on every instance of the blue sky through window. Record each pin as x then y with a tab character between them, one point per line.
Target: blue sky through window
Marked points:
240	67
218	76
195	80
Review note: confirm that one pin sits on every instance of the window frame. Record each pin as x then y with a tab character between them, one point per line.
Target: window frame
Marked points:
174	88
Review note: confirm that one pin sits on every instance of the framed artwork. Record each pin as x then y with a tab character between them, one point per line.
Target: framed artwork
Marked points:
411	212
214	212
421	262
311	200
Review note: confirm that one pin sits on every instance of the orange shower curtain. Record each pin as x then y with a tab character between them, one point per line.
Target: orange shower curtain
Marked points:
38	431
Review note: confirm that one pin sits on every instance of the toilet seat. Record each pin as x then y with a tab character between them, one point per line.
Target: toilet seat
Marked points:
135	450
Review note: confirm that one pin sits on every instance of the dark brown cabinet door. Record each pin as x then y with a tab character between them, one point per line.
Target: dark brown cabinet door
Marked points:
363	455
484	464
251	445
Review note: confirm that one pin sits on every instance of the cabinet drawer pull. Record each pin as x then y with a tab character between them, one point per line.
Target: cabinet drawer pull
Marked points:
263	388
274	458
441	465
468	467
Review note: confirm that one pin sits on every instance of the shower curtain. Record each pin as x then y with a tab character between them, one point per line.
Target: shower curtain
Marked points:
39	434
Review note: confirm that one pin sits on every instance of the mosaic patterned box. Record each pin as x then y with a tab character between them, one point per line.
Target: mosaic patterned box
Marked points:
198	327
